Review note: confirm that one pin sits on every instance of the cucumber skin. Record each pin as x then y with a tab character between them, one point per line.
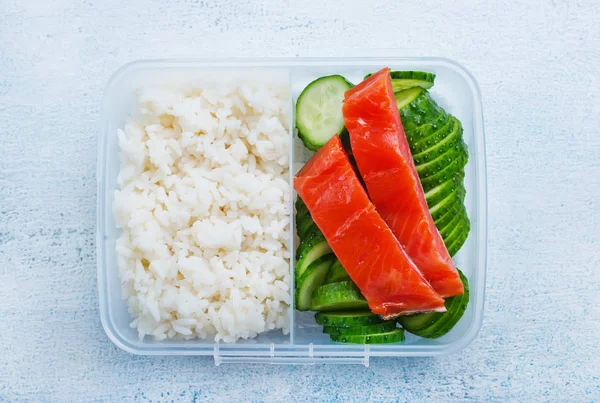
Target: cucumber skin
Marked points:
439	323
444	122
315	273
454	137
452	317
445	205
394	336
383	327
347	319
446	173
301	263
424	144
408	75
328	297
451	226
306	228
445	190
433	167
420	111
455	247
459	227
412	75
308	242
442	221
404	98
336	273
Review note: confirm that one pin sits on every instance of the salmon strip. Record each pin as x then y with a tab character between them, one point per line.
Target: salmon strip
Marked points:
359	237
386	165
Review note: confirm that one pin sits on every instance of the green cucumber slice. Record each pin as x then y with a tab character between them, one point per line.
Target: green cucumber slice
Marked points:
361	330
310	280
455	309
300	206
405	97
460	240
432	167
319	110
445	205
421	111
442	221
347	319
425	143
306	227
393	336
440	192
453	138
343	295
453	225
402	80
337	273
444	122
453	230
451	169
309	252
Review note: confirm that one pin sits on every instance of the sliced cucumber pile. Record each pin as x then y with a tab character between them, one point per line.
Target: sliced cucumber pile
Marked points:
359	327
436	142
319	110
436	324
340	296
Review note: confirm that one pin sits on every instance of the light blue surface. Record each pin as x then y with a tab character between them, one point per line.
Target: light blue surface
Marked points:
537	64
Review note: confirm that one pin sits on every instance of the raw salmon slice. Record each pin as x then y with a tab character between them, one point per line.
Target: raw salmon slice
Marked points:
359	237
385	163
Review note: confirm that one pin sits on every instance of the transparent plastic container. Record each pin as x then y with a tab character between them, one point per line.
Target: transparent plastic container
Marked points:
455	89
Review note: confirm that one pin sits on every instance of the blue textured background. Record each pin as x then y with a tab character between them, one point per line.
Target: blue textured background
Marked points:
537	63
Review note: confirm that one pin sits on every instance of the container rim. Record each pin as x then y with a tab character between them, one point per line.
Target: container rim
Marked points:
263	349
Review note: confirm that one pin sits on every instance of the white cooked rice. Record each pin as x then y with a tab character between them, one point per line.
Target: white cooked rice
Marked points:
204	208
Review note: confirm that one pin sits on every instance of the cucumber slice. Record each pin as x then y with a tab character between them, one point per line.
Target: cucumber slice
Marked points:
432	167
440	192
308	242
302	214
337	273
310	280
393	336
319	110
309	252
445	205
455	309
453	138
442	122
421	111
453	167
300	206
460	240
453	225
441	222
413	323
402	80
306	227
453	230
361	330
404	98
347	319
338	296
428	142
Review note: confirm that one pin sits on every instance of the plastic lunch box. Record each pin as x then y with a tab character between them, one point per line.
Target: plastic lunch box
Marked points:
455	89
